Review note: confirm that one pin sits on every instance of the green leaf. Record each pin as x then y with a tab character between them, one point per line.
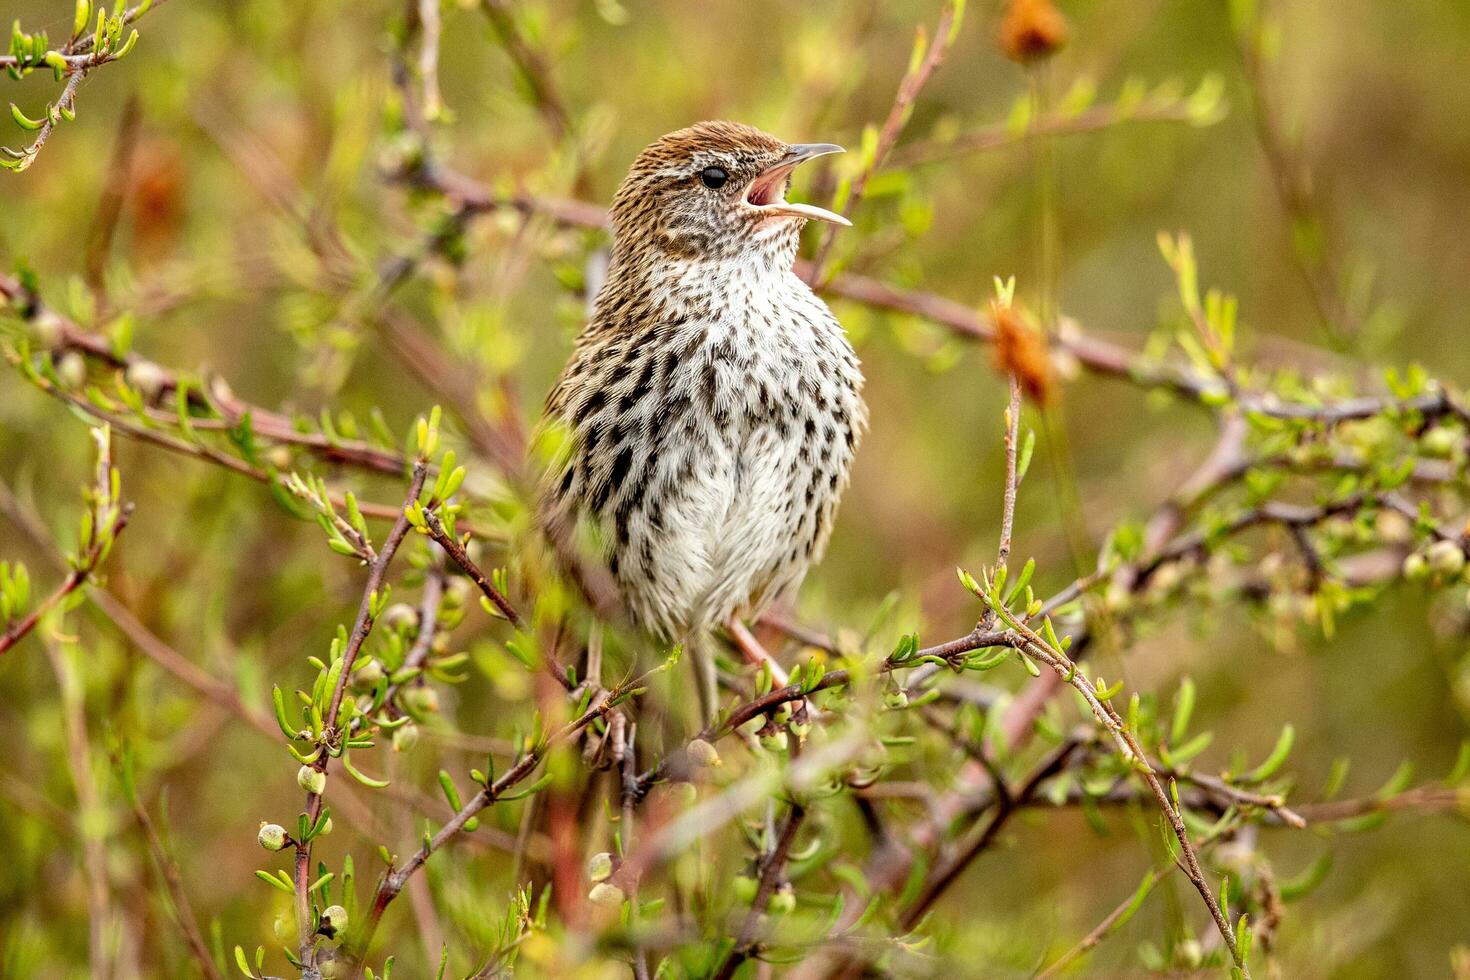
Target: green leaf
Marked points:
1028	448
535	787
360	777
450	792
1305	883
1398	782
23	121
278	700
1022	580
1275	760
1183	710
1461	767
271	879
122	52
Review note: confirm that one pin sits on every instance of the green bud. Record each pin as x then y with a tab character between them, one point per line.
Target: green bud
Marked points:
326	828
272	836
783	900
897	698
1439	442
369	673
421	700
46	330
745	887
606	894
1446	557
311	779
1416	568
775	741
459	592
801	729
400	615
1393	527
600	866
703	754
334	921
405	737
72	370
148	378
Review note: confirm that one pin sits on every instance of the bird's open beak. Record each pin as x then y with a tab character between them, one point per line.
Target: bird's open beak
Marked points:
767	193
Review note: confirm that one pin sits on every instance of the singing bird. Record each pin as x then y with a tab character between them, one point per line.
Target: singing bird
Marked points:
713	403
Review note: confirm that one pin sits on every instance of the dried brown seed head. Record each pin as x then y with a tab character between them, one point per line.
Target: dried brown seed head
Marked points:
1020	352
1032	30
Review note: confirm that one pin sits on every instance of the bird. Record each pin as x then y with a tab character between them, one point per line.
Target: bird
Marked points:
712	404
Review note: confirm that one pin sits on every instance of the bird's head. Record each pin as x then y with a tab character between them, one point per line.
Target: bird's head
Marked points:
715	190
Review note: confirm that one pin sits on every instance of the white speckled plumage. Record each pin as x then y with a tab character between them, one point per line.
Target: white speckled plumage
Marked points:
713	401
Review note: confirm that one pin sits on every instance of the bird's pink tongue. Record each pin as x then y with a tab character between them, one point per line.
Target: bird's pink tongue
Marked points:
768	188
768	192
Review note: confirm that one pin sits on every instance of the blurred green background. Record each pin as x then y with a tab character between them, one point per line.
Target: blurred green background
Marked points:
261	117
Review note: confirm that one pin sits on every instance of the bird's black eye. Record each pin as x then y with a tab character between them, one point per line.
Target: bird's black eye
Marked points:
714	177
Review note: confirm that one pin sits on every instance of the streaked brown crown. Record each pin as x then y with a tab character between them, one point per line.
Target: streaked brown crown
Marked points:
663	204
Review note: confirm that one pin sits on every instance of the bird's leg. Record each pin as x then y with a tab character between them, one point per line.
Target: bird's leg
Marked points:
750	648
706	684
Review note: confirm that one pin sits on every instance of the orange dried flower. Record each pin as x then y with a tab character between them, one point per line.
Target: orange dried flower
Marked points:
1020	351
158	195
1031	30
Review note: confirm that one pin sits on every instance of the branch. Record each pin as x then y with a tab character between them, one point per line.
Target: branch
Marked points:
772	866
531	65
445	540
83	51
394	879
1133	754
168	870
1063	122
105	520
65	108
213	395
914	79
949	872
1008	499
377	573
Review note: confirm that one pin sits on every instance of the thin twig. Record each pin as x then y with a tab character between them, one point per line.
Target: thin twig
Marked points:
949	872
377	574
394	879
456	552
532	66
898	115
772	867
1008	506
627	758
1111	921
91	814
1317	261
183	911
1057	123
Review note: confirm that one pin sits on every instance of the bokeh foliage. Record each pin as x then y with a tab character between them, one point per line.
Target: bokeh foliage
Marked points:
236	200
